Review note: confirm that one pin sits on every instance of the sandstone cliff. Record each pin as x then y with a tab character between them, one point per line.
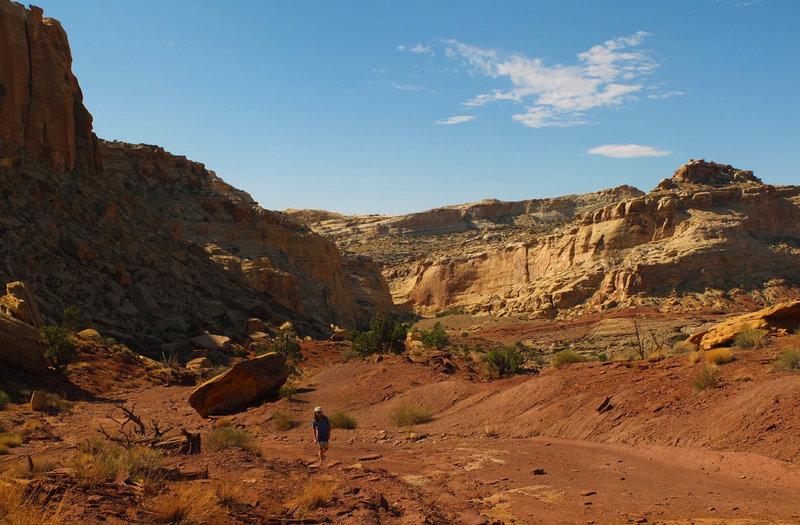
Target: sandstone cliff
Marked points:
158	248
710	230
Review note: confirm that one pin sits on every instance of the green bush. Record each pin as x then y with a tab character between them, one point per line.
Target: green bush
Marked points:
566	357
71	319
287	391
788	361
59	349
342	420
407	415
435	338
3	400
504	362
752	338
384	336
286	344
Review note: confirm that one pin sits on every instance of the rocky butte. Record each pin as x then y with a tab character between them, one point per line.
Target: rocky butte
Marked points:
711	235
152	247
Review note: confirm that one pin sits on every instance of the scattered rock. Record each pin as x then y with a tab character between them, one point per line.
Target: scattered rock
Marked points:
20	345
20	304
211	341
38	400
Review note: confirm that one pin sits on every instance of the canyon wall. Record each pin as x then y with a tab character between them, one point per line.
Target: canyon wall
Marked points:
153	248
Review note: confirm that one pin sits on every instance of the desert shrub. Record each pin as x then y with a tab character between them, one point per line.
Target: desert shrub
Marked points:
347	354
286	344
314	494
99	461
287	391
408	415
567	357
788	361
504	362
436	337
71	318
342	420
719	356
238	351
188	505
695	357
4	399
59	349
384	336
752	338
55	404
707	377
228	436
283	421
683	347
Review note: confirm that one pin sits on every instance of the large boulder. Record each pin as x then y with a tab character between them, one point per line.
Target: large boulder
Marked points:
248	381
781	316
20	304
20	345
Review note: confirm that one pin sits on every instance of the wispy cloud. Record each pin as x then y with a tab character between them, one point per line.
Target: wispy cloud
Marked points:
401	48
458	119
419	48
407	87
608	74
667	94
627	151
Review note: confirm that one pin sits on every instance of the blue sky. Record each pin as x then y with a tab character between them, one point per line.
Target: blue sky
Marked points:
394	107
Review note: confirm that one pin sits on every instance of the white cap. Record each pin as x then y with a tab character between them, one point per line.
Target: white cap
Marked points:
318	409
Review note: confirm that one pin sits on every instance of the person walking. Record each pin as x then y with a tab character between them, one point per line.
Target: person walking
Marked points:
322	431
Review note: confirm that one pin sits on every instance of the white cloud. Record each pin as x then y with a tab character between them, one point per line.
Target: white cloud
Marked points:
627	151
608	74
667	94
456	120
419	48
401	48
407	87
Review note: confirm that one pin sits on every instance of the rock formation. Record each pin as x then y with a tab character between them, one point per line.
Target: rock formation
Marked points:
248	381
784	316
158	249
709	229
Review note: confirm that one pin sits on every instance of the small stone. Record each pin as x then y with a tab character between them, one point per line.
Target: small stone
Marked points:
538	472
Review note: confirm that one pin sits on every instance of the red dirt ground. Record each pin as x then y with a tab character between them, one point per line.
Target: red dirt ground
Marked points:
529	449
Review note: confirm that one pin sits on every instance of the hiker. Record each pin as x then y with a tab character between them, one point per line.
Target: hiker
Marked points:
322	431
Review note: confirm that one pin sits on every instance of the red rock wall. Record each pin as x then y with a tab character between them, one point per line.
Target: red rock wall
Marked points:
42	117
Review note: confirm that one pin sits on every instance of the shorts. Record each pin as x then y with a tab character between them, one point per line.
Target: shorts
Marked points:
322	444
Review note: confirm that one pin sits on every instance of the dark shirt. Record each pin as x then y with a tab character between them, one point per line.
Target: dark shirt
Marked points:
323	427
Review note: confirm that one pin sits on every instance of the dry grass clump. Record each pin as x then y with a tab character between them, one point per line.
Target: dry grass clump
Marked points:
567	357
753	338
708	377
19	507
9	440
412	415
100	461
187	505
4	399
695	357
314	494
684	347
491	430
283	421
227	436
342	420
287	391
719	356
228	492
788	361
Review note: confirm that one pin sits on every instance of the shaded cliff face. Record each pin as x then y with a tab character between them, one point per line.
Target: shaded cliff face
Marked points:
42	117
274	255
710	235
159	248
